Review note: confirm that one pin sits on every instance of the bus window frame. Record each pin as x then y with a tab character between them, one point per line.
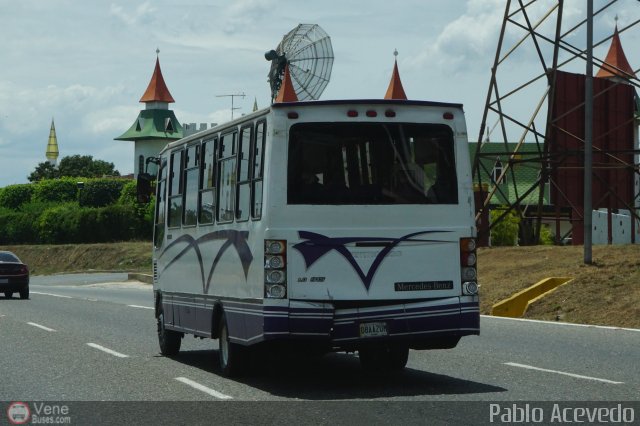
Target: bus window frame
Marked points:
234	133
213	140
186	170
248	181
172	196
254	179
161	203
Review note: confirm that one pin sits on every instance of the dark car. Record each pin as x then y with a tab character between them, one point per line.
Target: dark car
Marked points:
14	275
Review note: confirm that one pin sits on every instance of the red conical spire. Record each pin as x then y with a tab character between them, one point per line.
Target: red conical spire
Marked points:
617	59
286	92
395	89
157	90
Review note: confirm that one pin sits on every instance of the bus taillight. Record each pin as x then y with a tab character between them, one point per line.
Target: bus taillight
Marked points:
275	269
468	266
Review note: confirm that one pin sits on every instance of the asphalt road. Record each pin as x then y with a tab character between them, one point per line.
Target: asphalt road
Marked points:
92	337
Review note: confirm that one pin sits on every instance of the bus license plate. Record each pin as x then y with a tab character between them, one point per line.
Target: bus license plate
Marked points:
372	329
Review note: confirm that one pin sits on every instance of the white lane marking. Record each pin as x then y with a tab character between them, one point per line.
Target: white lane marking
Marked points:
51	294
107	350
41	326
140	307
530	367
203	388
603	327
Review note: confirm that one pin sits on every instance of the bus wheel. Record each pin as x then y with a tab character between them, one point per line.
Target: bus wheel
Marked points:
384	358
169	340
231	356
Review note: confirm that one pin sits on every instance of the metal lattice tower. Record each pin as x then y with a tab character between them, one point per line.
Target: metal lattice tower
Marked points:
515	113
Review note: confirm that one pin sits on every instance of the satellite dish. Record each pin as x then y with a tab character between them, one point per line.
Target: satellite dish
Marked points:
308	52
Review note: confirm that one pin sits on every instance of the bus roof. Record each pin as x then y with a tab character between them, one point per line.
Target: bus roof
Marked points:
369	102
303	104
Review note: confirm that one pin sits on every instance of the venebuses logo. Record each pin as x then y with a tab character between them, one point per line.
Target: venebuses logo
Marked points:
18	413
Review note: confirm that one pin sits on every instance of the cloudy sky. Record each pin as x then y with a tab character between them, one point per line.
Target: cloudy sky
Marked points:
86	64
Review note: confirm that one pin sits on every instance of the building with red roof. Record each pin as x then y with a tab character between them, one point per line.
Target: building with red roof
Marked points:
155	126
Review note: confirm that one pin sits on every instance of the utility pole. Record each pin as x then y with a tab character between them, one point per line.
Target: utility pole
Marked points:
588	139
232	96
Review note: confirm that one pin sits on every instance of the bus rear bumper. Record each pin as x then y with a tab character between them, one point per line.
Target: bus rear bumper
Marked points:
419	325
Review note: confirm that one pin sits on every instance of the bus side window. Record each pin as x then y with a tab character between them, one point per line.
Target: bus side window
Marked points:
243	198
227	177
158	235
175	189
191	175
206	201
257	160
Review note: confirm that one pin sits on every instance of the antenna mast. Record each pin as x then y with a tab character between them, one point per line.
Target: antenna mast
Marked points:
232	96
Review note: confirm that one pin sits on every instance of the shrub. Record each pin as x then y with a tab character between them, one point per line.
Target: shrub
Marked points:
89	230
129	194
144	211
120	222
546	237
59	224
100	192
505	232
20	227
7	217
13	196
70	223
56	190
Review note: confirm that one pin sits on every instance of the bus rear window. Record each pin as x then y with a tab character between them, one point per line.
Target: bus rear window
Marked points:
371	163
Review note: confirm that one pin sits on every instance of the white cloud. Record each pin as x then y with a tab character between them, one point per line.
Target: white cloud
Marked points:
141	14
241	15
471	36
29	105
111	120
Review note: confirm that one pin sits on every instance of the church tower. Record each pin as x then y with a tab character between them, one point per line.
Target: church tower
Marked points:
395	89
52	146
155	126
616	68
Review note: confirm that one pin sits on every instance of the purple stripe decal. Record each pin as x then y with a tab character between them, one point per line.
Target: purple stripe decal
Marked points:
252	322
317	245
238	239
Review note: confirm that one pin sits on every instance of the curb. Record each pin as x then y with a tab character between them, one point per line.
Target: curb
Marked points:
144	278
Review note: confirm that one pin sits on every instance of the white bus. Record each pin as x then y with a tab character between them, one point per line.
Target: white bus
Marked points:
336	225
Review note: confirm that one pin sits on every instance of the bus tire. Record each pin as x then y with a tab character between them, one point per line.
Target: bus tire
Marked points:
169	340
384	358
231	356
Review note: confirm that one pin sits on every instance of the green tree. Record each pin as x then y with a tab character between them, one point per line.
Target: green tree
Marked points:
505	232
74	166
86	166
43	170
